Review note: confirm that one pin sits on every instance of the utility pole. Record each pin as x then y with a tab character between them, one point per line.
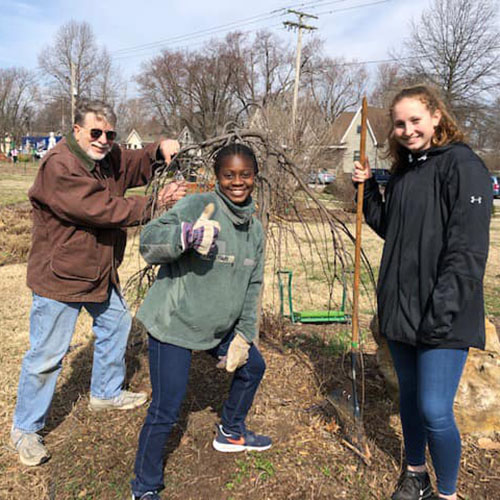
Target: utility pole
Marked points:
63	124
299	26
73	92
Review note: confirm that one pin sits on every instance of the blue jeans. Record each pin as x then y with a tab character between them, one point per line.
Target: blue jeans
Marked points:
51	328
428	381
169	371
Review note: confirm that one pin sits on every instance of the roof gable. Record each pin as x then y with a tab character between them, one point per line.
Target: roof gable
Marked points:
378	123
133	136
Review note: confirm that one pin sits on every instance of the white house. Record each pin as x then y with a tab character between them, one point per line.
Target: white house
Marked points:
345	135
186	137
134	140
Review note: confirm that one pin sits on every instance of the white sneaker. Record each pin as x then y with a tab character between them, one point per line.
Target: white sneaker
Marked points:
30	447
126	400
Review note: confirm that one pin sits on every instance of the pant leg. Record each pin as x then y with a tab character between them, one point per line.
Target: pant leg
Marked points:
169	372
51	328
439	375
404	357
246	381
111	325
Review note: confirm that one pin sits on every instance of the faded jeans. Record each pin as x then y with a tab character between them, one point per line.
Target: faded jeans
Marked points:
52	324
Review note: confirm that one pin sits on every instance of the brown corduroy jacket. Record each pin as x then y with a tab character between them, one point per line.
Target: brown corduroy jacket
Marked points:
79	219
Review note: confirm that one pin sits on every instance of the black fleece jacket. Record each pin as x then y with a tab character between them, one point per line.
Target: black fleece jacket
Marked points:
434	217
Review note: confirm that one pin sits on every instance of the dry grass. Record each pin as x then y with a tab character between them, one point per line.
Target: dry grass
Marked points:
93	453
15	182
15	233
15	221
310	263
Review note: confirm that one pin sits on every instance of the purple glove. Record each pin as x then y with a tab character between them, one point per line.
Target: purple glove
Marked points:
193	238
201	235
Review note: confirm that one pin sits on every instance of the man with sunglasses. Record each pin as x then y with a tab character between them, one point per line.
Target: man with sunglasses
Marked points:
80	215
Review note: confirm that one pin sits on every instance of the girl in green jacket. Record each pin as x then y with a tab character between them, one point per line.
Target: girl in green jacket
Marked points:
210	248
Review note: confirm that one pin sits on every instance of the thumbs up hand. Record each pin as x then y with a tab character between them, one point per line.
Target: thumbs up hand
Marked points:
201	234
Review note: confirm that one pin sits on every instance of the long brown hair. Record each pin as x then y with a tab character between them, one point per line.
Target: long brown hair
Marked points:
446	132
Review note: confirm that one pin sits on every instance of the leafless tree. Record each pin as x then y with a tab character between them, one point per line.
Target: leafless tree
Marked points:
224	81
266	70
335	85
483	127
95	74
388	80
136	114
195	88
18	94
108	84
50	115
455	46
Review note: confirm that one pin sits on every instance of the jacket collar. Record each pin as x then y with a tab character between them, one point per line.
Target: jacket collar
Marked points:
418	158
239	214
79	152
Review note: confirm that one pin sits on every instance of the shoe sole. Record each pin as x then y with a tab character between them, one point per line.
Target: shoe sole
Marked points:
234	448
425	496
127	407
130	406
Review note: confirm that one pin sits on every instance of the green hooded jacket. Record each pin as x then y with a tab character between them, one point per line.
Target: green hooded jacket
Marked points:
196	300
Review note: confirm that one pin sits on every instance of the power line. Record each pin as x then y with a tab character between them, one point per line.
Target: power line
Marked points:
195	34
352	8
276	13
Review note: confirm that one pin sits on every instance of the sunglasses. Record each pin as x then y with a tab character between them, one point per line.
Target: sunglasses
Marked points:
95	133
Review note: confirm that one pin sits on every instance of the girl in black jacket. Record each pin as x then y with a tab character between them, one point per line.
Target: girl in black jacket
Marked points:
434	218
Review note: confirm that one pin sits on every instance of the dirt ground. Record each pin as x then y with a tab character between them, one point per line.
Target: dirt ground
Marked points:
93	453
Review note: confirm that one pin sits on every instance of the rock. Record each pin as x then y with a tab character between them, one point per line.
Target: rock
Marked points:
477	404
492	338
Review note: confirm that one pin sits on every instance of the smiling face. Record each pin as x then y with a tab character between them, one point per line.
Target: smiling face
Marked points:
414	124
98	148
236	177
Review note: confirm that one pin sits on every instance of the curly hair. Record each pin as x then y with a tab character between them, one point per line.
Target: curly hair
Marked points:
446	132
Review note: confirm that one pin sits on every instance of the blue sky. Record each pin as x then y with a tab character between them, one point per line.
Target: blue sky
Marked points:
365	33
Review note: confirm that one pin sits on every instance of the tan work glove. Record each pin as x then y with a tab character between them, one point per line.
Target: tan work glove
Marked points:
201	235
237	354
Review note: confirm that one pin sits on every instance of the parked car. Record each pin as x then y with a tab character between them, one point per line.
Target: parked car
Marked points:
495	184
381	175
321	177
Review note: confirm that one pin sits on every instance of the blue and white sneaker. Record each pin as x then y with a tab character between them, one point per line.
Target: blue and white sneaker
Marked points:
228	443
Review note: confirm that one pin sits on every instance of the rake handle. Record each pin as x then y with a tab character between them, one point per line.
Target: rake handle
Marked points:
359	218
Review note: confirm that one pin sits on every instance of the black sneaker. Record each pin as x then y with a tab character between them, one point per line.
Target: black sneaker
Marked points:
413	486
149	495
